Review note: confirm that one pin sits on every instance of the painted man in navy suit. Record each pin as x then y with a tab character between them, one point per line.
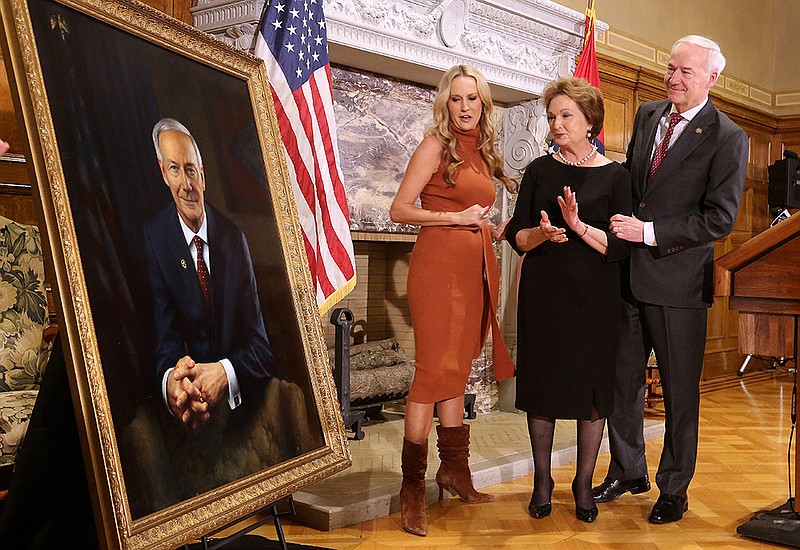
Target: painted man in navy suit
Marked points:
211	345
688	163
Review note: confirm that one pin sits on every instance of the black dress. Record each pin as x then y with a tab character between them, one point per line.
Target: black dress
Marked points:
569	304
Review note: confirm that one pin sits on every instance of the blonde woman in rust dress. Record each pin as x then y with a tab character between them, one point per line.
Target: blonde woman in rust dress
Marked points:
453	283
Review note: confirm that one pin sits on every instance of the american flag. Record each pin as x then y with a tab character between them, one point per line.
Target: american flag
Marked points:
292	41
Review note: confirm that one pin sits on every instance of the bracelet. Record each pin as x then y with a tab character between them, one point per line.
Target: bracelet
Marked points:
586	226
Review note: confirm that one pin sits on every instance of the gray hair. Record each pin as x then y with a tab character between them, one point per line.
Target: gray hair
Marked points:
172	124
715	61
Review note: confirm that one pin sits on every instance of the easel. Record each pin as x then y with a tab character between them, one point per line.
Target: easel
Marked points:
207	542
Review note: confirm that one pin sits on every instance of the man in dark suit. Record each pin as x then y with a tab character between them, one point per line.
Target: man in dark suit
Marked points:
211	344
688	163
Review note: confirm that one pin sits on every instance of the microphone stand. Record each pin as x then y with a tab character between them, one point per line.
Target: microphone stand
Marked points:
781	525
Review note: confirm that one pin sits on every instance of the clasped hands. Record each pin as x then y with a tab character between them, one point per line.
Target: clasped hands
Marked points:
478	216
193	389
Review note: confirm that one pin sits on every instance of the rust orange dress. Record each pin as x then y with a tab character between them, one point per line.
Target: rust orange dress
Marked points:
453	284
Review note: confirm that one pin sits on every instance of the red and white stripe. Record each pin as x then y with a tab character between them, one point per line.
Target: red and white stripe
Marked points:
308	129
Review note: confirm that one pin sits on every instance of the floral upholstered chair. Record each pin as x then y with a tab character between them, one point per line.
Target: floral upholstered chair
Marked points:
26	336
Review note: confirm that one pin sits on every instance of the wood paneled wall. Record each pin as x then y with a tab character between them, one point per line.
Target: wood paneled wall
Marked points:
9	129
625	87
179	9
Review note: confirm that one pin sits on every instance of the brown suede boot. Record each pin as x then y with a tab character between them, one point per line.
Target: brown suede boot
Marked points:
412	492
454	474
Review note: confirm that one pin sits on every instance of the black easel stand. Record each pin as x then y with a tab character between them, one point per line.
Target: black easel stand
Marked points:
241	540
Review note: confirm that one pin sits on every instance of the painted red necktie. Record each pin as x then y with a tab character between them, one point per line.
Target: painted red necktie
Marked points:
661	152
203	277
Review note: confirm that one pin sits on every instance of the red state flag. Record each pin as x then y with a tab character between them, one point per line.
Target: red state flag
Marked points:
587	64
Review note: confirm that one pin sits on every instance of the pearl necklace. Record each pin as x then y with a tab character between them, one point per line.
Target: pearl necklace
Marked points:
584	159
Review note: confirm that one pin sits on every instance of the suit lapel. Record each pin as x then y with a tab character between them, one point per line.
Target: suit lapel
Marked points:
179	252
695	133
216	250
649	135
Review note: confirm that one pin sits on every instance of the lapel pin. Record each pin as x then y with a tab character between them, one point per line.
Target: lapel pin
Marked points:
698	130
183	263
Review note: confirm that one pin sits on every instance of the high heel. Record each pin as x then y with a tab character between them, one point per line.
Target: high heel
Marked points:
587	515
542	510
412	490
454	475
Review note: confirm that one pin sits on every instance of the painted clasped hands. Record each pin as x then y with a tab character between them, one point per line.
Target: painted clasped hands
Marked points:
193	389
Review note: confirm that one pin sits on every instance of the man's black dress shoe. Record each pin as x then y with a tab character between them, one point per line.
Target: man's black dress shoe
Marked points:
668	508
612	489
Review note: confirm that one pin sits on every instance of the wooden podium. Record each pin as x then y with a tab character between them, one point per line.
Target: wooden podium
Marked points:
762	280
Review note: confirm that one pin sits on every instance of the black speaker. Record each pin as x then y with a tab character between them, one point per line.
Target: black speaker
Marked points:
784	184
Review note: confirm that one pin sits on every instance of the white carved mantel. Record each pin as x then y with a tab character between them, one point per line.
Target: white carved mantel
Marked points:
520	45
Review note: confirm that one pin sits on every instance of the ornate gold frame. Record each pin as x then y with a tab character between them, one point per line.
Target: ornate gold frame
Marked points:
191	518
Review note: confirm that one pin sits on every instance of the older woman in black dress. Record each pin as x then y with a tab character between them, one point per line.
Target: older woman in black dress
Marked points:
569	292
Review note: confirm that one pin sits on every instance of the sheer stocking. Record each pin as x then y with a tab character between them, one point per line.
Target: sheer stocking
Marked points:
590	435
541	429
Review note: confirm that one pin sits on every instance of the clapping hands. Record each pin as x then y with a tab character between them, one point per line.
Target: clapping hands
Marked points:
569	209
550	231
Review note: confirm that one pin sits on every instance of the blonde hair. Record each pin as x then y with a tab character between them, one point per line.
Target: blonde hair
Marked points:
441	127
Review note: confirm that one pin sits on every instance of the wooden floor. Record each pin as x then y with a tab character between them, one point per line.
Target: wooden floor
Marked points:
742	469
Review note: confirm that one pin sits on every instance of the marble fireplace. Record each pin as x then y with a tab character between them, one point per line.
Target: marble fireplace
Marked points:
387	56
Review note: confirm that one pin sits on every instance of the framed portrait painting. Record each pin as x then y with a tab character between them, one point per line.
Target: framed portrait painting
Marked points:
197	362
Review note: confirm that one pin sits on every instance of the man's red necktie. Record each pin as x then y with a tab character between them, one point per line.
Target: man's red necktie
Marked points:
203	277
661	152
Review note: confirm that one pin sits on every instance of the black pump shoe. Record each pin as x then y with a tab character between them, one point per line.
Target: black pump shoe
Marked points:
587	515
540	512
